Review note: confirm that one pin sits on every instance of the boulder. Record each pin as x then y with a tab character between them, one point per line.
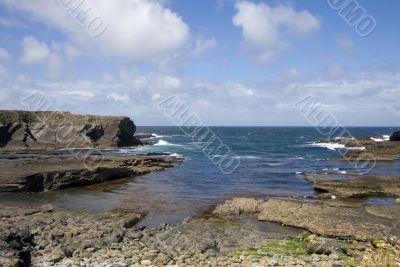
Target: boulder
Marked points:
395	136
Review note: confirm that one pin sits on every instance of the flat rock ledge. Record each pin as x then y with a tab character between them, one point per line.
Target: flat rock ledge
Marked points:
326	218
355	186
36	171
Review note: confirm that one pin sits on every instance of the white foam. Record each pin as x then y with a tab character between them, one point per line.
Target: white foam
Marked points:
383	139
298	172
378	140
342	172
246	157
176	155
336	146
154	135
163	143
343	138
330	146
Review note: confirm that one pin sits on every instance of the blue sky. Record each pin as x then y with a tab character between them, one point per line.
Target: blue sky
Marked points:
232	62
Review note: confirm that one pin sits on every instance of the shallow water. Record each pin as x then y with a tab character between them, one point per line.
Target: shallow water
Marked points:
272	160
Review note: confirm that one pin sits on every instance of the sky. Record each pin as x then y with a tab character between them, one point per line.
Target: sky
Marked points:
232	62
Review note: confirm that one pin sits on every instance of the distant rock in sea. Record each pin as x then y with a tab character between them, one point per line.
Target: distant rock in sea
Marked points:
20	129
395	136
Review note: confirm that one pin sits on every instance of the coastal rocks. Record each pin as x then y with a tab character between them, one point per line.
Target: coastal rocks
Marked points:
15	248
374	151
356	187
101	239
21	129
36	172
395	136
327	218
238	206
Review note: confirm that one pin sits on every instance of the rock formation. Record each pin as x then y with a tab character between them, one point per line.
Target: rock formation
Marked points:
395	136
34	171
20	129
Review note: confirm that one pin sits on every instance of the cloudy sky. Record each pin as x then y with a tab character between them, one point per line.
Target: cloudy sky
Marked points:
233	62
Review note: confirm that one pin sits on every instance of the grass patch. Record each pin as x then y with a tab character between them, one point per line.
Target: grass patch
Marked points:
9	116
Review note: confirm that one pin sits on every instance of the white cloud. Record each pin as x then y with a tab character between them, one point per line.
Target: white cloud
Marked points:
266	30
241	90
4	55
345	42
136	29
34	52
203	44
360	98
118	97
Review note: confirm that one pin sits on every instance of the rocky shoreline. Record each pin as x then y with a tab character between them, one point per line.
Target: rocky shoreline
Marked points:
335	227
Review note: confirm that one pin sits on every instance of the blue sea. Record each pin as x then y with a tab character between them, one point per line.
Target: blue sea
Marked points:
272	163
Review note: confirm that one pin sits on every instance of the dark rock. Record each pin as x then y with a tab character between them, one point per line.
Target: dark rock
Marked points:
319	248
15	248
395	136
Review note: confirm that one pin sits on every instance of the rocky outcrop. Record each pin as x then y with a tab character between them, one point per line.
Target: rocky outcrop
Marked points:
395	136
371	150
19	129
355	187
26	171
326	218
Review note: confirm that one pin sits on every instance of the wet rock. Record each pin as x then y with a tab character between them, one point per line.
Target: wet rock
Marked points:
38	171
356	187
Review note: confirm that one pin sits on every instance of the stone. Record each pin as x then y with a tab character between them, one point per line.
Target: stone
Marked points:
47	208
146	262
395	136
356	187
318	248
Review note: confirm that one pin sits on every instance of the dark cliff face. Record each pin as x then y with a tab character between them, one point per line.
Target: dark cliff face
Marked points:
19	129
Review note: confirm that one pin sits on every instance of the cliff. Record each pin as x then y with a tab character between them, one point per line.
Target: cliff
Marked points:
55	130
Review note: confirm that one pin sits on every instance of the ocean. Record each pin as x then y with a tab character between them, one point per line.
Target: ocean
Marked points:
272	163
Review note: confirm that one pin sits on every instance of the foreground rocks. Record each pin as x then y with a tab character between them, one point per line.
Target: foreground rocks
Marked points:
355	187
36	171
326	218
54	130
113	239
